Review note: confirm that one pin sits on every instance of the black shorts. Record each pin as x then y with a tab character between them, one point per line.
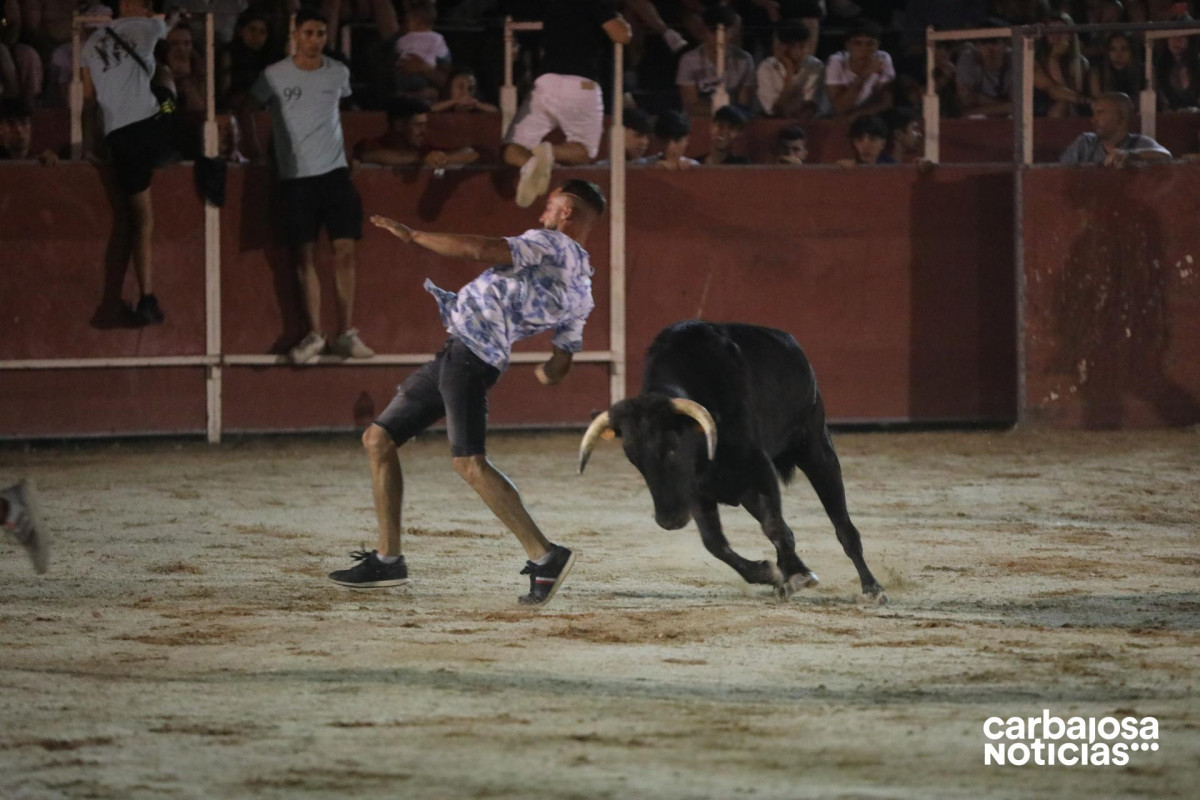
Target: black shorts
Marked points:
454	385
330	200
136	150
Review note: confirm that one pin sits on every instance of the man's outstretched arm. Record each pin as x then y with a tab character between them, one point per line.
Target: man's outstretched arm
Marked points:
453	245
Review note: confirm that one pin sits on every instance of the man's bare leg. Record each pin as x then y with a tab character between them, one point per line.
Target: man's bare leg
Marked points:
516	155
498	492
387	486
571	154
344	265
141	221
310	286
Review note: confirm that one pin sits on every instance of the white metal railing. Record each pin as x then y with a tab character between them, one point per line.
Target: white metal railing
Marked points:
1023	39
214	360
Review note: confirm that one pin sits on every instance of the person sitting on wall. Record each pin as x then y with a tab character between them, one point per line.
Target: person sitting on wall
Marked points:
868	140
791	146
674	129
697	75
906	137
638	126
1112	144
791	83
860	77
404	142
728	125
984	78
16	133
461	94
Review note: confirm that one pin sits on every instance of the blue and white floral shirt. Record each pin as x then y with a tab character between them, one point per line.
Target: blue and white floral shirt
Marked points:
547	287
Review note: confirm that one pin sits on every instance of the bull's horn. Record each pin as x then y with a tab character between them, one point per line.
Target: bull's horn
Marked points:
597	429
699	413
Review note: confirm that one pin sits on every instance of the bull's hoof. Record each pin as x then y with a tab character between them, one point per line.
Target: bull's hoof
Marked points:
874	596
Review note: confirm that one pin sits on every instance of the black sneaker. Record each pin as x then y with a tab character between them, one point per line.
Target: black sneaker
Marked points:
370	572
544	579
148	312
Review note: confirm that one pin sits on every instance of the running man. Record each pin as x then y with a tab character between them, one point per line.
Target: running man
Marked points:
20	518
541	281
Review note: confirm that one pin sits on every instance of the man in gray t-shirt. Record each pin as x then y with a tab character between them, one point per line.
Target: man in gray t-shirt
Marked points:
984	78
303	93
118	66
1112	144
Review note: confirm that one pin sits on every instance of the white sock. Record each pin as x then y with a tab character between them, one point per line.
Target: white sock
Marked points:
386	559
544	560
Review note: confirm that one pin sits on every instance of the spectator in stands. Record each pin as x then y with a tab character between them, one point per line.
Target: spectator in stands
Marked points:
303	92
178	55
1059	72
791	83
907	140
48	27
868	140
566	95
984	79
381	12
658	62
461	94
728	125
16	132
638	126
20	64
117	70
1177	72
404	143
1136	11
860	77
251	51
1112	144
422	57
1119	70
1101	12
791	146
673	129
697	77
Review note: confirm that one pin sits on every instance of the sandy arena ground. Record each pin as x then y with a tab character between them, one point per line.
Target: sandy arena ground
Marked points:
186	644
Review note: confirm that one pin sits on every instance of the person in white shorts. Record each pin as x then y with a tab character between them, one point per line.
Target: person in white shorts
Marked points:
566	94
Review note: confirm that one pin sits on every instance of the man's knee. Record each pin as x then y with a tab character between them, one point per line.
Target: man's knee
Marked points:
378	443
470	468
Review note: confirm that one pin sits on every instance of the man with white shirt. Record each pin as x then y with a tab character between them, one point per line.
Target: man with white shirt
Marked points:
697	76
791	83
541	281
860	77
304	92
118	65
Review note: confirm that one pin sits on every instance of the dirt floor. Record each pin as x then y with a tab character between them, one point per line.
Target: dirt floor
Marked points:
186	643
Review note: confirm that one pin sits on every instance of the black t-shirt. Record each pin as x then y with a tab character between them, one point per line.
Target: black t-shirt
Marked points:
573	37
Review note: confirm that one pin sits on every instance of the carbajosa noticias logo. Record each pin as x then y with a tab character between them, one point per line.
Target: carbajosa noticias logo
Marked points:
1077	741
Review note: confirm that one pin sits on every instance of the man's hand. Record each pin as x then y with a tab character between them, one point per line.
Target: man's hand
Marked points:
1116	158
436	159
49	158
401	232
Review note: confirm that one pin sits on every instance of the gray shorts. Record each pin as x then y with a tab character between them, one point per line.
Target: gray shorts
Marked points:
454	385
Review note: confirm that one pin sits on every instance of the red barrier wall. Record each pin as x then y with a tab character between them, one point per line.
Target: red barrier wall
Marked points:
897	284
1112	293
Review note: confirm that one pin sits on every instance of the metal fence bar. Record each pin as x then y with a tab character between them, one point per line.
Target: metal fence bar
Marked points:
616	223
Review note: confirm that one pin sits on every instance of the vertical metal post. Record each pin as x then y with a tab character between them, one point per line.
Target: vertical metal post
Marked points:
720	97
1148	98
616	226
75	98
508	91
931	108
1023	41
212	245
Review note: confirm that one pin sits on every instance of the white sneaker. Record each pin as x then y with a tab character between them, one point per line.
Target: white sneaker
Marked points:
24	523
535	175
309	348
348	345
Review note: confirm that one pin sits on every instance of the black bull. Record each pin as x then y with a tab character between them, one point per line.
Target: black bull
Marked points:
727	412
